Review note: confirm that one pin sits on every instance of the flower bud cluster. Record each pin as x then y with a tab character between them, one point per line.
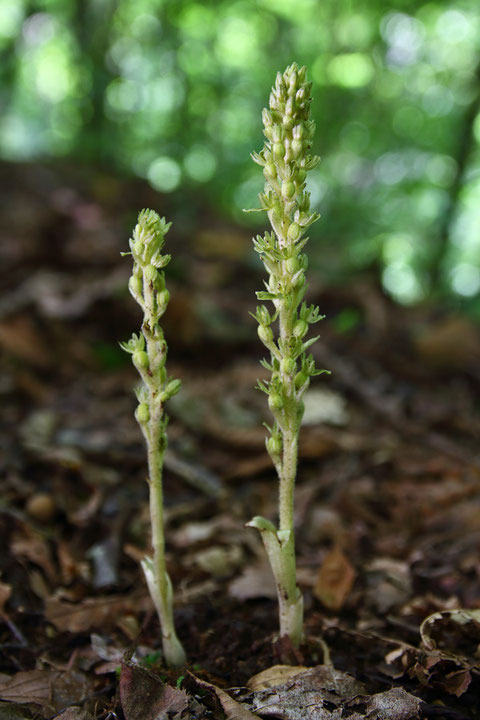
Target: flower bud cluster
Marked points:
147	283
149	349
286	159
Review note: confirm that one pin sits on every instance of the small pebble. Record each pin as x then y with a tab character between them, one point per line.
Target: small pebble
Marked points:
41	507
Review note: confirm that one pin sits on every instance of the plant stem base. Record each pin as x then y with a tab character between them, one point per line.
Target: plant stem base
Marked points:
162	599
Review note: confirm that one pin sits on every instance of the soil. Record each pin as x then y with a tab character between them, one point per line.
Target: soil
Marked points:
387	501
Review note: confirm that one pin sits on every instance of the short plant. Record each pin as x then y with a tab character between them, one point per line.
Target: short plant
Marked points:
149	353
285	160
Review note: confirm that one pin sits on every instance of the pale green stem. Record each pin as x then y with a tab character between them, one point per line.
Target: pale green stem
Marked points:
280	546
155	569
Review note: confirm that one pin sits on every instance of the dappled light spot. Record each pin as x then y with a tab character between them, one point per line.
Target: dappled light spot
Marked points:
390	168
351	70
465	279
438	100
164	174
453	26
11	16
122	96
404	35
441	170
200	163
237	43
402	283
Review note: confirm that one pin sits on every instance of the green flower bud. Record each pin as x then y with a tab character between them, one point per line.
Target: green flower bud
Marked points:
300	328
288	189
287	365
301	175
299	281
298	132
268	132
297	147
274	445
142	413
265	333
289	106
278	150
172	388
270	170
300	379
287	122
294	232
267	118
138	248
162	298
135	285
275	401
140	359
278	133
291	265
151	274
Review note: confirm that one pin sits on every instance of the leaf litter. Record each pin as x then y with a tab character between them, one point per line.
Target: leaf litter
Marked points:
388	511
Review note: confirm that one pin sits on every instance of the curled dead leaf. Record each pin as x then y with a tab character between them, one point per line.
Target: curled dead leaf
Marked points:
455	633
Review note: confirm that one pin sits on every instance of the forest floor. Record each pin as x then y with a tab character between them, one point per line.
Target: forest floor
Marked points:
387	501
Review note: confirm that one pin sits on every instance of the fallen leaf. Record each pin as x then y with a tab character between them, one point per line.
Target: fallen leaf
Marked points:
33	547
317	693
20	337
255	581
452	342
74	713
455	633
394	704
32	686
12	711
145	697
325	406
232	708
457	682
91	613
218	560
273	676
335	580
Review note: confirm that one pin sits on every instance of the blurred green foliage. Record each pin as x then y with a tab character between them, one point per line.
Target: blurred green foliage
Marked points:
172	90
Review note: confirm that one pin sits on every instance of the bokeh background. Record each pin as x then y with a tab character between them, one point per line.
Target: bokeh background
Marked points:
171	91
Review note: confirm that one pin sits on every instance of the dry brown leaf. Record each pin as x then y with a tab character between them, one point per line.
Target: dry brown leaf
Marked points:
145	697
453	342
394	704
335	580
20	337
453	636
232	708
32	686
317	693
75	713
92	612
273	676
33	546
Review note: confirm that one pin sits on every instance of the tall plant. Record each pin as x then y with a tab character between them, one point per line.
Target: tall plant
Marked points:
149	354
285	159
